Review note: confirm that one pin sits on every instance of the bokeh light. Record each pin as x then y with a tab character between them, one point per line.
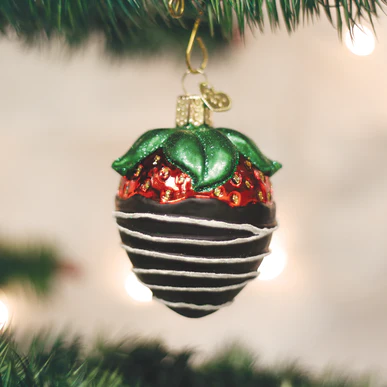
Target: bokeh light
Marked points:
362	42
137	290
274	264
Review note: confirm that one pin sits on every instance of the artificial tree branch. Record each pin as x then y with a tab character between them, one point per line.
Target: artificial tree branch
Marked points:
146	25
146	364
35	265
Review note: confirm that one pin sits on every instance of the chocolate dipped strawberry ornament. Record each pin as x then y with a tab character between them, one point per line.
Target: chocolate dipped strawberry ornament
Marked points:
195	208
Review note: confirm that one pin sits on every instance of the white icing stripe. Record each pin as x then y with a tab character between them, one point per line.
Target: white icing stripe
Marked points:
188	220
185	258
202	242
210	290
192	306
195	274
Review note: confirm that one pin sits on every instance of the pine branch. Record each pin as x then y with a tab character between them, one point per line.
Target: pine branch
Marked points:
146	26
145	364
35	265
127	26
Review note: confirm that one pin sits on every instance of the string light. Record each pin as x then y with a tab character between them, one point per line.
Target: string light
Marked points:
362	42
274	264
4	315
137	290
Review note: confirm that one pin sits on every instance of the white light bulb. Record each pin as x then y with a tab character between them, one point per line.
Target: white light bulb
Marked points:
362	42
137	290
274	264
4	315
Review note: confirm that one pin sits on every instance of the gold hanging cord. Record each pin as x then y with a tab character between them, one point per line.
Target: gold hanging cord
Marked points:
176	9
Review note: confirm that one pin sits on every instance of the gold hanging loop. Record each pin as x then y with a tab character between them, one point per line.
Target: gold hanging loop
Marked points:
190	48
176	8
188	73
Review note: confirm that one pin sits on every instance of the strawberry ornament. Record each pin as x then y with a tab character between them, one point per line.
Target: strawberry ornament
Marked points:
195	208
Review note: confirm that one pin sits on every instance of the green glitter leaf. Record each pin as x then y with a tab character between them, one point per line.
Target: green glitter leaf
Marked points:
208	155
221	158
143	147
248	149
205	154
184	149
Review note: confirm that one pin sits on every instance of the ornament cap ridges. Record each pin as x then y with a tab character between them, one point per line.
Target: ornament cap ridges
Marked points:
191	110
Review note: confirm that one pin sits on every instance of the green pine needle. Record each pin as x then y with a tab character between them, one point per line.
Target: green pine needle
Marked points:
145	25
35	265
146	364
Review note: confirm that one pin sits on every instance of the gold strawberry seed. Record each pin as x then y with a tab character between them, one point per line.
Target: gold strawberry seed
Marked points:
236	178
235	198
217	191
156	160
248	164
138	171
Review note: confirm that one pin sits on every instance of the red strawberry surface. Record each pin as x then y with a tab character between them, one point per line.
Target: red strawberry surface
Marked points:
156	178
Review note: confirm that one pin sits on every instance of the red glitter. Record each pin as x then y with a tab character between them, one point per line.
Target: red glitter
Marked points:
159	180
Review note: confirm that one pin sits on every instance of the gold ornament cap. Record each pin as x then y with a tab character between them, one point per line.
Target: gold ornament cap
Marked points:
191	110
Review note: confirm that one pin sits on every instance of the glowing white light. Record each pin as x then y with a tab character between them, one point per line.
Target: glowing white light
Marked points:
4	315
274	264
363	42
137	290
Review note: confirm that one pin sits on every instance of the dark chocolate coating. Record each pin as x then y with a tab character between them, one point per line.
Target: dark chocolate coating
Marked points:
257	214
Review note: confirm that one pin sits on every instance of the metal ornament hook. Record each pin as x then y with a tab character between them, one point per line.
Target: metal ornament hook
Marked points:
176	8
190	48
